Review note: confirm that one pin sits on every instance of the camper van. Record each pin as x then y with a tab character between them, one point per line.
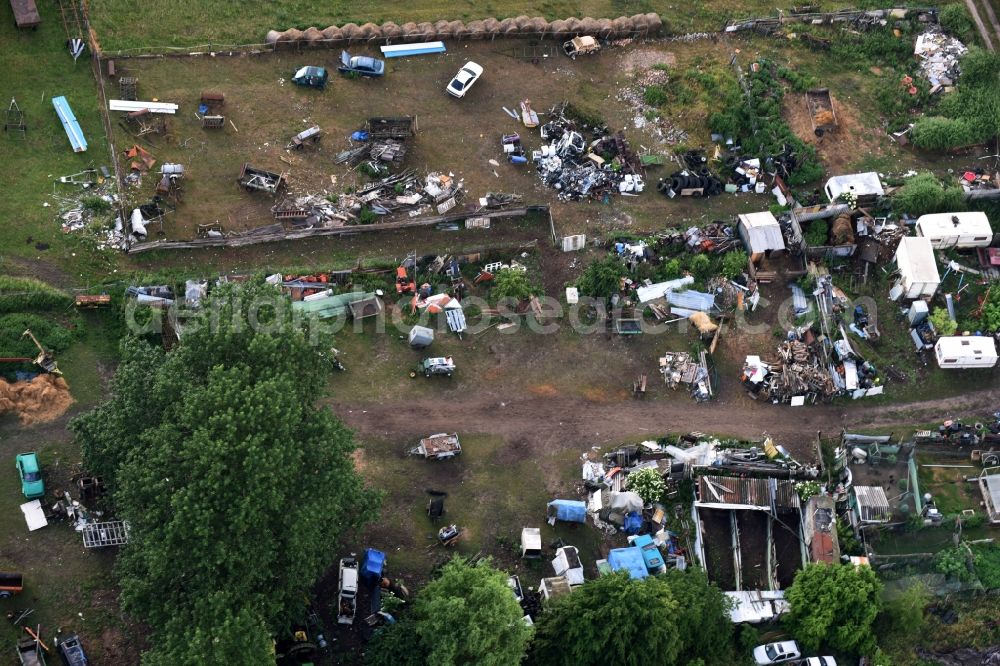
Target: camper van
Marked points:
970	351
957	230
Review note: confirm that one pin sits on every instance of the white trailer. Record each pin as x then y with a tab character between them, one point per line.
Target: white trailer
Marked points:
959	230
969	351
865	187
347	604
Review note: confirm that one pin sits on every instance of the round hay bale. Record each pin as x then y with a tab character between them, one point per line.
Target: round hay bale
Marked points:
351	32
572	26
293	35
476	29
370	31
535	26
491	26
426	32
391	30
588	25
409	32
457	29
621	27
654	24
272	37
333	34
604	28
443	29
559	28
313	35
508	26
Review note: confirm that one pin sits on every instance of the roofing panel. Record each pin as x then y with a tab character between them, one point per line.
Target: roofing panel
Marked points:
691	300
402	50
873	505
751	492
70	124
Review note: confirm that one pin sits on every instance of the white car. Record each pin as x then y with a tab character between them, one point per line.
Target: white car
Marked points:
776	653
821	661
466	76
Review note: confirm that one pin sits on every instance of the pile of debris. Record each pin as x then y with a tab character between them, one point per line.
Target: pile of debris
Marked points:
681	368
662	129
402	192
382	142
796	376
579	170
939	55
979	178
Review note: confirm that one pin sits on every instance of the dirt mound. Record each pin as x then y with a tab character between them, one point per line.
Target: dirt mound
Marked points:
43	399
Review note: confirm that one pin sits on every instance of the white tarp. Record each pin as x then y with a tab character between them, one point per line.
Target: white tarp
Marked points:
34	516
659	290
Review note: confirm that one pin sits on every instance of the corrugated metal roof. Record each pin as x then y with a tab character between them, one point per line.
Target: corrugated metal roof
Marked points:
753	492
691	300
70	124
873	505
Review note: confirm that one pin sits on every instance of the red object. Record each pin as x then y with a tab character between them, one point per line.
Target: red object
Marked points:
969	176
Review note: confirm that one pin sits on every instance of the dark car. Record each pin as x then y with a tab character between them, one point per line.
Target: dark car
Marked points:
360	65
71	651
311	77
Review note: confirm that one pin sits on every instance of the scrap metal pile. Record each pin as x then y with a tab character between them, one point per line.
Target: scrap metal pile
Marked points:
382	142
402	192
798	372
578	170
682	368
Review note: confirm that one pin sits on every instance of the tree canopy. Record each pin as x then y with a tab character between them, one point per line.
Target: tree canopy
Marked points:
512	284
467	615
834	605
235	485
610	620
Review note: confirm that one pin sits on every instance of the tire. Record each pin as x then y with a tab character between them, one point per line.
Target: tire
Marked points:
661	186
677	183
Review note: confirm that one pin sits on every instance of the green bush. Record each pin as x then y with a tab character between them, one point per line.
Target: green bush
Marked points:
938	134
509	284
648	483
956	21
952	562
942	322
655	95
924	193
700	265
96	205
734	264
817	233
53	336
19	294
602	278
987	563
669	270
367	216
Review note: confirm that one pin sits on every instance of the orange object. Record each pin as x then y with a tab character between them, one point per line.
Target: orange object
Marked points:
38	638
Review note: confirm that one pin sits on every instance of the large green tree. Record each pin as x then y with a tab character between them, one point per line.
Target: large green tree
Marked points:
235	484
602	278
467	615
834	605
702	618
610	620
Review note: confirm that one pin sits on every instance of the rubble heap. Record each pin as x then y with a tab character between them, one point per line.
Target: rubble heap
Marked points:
579	170
939	55
681	368
402	192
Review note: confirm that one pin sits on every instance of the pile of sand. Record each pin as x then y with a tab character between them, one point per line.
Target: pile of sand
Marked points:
43	399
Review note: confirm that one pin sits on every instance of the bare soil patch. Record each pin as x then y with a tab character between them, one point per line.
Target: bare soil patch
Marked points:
851	142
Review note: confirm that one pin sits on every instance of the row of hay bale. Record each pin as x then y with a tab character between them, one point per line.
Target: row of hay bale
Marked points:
522	26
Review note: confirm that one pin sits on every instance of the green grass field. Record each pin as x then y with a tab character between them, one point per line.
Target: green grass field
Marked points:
37	67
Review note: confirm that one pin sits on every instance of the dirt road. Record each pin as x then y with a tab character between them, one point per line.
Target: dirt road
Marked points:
559	422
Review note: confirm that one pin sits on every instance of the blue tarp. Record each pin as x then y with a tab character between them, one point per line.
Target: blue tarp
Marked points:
372	564
571	511
70	124
630	560
633	523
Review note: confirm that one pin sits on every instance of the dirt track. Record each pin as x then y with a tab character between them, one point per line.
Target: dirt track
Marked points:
570	423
